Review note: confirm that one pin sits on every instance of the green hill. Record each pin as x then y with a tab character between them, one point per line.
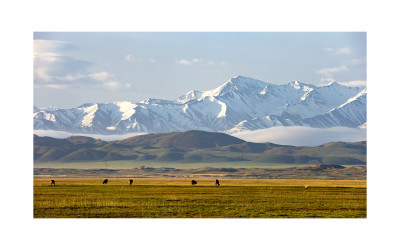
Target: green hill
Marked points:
193	146
192	139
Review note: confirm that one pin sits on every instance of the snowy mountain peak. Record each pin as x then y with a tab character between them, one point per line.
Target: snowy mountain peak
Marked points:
335	84
51	108
296	85
191	95
241	103
247	82
123	103
236	84
332	83
86	105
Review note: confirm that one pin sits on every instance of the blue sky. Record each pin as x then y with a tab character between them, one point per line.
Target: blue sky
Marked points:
73	68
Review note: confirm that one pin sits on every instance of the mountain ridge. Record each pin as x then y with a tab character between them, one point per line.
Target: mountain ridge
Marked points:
241	103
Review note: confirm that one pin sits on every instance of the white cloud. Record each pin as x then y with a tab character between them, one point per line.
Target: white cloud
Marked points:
330	71
47	50
303	136
356	83
57	86
327	79
46	53
184	62
46	56
343	51
112	85
100	76
152	60
357	62
198	61
132	58
339	51
42	74
128	57
52	66
69	77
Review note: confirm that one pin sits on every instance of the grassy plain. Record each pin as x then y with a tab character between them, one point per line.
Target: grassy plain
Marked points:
124	164
177	198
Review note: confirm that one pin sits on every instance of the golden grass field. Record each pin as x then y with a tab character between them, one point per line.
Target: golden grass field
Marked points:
177	198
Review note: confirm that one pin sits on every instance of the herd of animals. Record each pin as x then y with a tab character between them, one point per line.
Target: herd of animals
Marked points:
53	182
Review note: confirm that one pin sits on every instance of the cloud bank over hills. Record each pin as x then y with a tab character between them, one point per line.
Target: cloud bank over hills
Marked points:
304	136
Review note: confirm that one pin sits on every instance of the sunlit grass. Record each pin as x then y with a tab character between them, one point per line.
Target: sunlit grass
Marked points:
177	198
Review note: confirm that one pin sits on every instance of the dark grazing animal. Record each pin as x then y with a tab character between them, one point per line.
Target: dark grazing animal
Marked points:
217	182
105	181
53	182
194	182
130	182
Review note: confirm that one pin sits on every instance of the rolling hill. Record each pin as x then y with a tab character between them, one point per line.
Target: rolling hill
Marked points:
193	146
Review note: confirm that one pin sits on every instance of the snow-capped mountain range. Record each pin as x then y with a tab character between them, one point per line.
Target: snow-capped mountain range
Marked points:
240	104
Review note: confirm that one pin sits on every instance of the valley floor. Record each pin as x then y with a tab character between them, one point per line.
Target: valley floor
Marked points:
212	170
177	198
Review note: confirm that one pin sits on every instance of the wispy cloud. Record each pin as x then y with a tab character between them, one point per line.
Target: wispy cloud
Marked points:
184	62
330	71
51	65
57	86
357	62
100	76
199	61
53	68
48	50
326	80
343	51
339	51
132	58
196	60
356	83
152	60
115	85
111	85
189	61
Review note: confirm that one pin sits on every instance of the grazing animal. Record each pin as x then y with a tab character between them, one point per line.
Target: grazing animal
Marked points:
217	182
53	182
130	182
105	181
194	182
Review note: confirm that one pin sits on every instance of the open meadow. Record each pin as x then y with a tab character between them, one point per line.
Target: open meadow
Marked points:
177	198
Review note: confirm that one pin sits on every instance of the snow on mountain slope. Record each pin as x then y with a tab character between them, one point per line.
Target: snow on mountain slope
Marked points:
352	113
242	103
